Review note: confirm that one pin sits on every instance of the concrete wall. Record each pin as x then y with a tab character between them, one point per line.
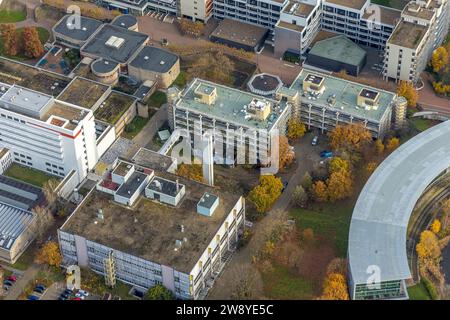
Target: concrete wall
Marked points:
164	80
286	39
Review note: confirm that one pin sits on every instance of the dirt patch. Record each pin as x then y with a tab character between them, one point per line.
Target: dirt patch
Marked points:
315	261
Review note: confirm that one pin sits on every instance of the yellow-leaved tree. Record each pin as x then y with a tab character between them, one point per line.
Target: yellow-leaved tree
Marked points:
49	254
392	144
296	129
319	191
335	287
428	247
439	59
407	90
436	226
266	192
349	138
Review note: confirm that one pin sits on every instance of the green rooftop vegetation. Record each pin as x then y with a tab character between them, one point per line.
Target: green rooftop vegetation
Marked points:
28	175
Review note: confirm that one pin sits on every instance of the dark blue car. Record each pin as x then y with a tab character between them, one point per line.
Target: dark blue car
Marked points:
31	297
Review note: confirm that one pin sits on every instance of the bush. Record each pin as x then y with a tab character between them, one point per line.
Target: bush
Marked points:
158	292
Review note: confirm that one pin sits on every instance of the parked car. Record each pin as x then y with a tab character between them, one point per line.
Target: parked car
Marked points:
284	186
68	291
33	297
12	278
64	295
8	283
315	140
79	295
39	290
40	285
76	298
326	154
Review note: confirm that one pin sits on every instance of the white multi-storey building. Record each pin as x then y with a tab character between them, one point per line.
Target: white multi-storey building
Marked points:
47	134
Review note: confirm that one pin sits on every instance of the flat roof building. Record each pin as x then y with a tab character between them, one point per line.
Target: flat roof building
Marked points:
239	35
114	43
155	241
69	33
155	64
16	232
328	101
336	54
378	228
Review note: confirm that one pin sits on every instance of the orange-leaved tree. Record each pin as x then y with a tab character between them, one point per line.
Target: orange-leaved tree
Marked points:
406	89
349	138
49	254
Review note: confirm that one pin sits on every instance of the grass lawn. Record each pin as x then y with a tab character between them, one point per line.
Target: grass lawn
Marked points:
280	283
28	175
43	36
331	221
11	16
157	99
421	124
418	292
25	260
134	127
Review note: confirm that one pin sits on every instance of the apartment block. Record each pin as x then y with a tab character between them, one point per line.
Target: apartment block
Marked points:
47	134
179	233
423	27
236	118
327	102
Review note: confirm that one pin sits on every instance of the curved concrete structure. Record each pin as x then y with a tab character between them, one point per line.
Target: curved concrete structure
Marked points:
377	239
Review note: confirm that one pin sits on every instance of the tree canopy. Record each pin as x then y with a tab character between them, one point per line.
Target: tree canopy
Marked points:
296	129
49	254
266	192
159	292
406	89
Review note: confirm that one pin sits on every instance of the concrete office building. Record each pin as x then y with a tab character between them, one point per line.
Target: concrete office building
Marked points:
164	239
16	232
5	159
327	101
141	7
155	64
423	27
236	118
67	32
47	134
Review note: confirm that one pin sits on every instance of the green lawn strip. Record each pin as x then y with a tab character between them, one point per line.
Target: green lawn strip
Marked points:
418	292
11	16
157	99
421	124
331	221
43	36
134	127
280	283
28	175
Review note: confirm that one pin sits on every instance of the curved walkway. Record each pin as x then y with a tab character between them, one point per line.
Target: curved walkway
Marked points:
377	239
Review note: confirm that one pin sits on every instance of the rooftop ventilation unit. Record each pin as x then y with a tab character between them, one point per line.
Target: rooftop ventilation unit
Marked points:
146	58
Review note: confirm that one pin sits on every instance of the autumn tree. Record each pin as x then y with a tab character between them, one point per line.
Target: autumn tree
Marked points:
9	37
428	247
285	154
339	185
406	89
192	28
439	59
337	265
337	164
159	292
319	191
214	66
370	167
299	196
243	282
335	287
49	254
296	129
190	171
379	146
435	226
349	138
266	192
392	144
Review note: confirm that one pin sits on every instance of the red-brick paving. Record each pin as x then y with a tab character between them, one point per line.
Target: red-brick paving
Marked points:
266	61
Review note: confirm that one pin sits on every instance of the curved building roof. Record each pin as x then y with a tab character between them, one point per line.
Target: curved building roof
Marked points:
381	214
125	21
103	66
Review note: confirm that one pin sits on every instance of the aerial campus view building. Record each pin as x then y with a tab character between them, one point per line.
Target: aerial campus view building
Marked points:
105	130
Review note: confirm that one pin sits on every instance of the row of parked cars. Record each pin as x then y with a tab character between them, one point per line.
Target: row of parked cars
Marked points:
38	291
9	282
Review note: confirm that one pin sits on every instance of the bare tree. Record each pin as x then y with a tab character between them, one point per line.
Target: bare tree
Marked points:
244	283
49	189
